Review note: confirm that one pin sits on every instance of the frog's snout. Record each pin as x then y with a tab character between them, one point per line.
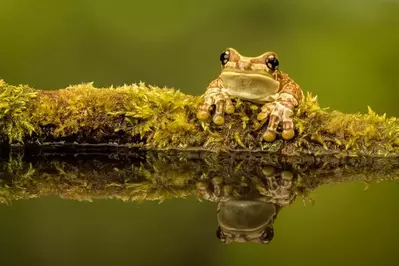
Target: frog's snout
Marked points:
244	65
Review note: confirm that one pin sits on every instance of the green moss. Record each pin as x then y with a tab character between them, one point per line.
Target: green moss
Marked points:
165	175
152	117
146	114
334	131
15	121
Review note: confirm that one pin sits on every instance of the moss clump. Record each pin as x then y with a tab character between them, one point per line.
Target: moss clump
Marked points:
15	122
366	134
137	114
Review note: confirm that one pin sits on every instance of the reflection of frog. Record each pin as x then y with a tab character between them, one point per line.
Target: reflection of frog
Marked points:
246	220
247	210
256	79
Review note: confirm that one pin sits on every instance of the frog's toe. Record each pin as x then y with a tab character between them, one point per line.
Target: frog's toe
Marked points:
229	105
288	125
288	134
203	115
220	109
201	185
227	190
230	109
269	170
203	109
265	112
269	136
262	116
218	120
287	175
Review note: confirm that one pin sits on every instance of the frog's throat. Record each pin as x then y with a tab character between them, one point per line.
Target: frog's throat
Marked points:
250	86
231	217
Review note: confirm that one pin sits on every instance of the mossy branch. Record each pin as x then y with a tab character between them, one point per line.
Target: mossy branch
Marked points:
149	117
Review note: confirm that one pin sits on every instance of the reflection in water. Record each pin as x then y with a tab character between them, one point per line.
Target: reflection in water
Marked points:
247	211
250	189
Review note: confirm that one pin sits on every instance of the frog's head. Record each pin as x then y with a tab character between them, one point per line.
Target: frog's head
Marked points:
266	64
261	72
246	221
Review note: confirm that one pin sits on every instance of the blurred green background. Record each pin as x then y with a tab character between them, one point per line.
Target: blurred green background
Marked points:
346	52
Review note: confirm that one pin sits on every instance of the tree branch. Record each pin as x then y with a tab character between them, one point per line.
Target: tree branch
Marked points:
135	117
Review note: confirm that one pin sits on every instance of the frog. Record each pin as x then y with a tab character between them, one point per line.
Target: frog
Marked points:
258	80
247	211
246	220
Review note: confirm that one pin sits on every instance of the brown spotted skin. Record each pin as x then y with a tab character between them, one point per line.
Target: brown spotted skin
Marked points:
289	86
253	79
218	98
282	110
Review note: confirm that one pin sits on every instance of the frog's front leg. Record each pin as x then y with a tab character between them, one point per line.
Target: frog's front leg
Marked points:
215	95
214	190
277	113
281	111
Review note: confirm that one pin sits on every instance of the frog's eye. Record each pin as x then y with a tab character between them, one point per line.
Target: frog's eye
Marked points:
224	57
267	236
272	62
220	235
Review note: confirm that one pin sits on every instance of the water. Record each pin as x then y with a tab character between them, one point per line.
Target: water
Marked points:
343	51
277	206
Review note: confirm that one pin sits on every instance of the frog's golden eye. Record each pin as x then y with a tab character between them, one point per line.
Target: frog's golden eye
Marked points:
220	235
272	62
224	57
267	236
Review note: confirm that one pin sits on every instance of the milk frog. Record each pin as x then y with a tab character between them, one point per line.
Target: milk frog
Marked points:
259	80
246	211
246	220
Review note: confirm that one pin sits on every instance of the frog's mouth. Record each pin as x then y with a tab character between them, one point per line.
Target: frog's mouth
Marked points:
232	72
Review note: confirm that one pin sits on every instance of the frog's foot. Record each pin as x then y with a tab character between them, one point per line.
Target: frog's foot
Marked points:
277	113
214	190
223	103
279	185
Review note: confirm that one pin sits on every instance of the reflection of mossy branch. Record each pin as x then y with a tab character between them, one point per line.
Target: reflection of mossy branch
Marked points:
160	175
151	117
